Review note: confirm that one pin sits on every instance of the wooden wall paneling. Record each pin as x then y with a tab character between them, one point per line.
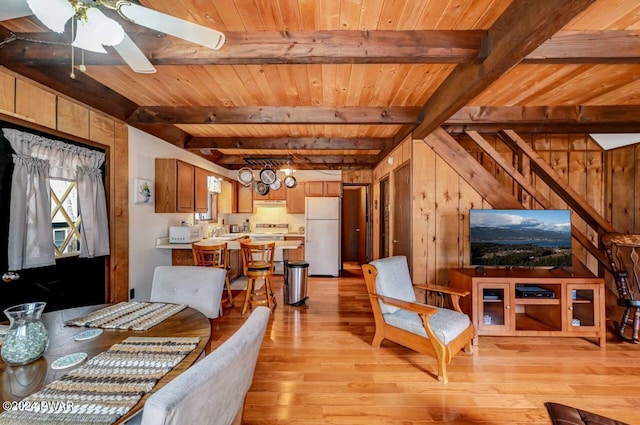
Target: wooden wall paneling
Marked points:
559	161
636	211
577	169
7	92
395	158
119	215
595	194
101	128
622	180
469	199
501	175
485	160
407	146
357	176
540	144
447	198
35	104
424	212
73	118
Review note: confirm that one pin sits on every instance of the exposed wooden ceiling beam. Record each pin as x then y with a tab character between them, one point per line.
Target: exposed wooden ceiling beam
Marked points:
546	119
274	115
588	47
336	47
524	26
166	132
301	47
292	143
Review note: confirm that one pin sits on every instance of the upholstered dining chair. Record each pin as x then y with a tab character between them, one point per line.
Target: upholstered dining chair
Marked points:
198	287
213	256
436	331
213	390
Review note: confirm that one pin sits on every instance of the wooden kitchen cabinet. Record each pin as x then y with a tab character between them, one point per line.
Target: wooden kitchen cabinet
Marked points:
295	254
201	190
175	187
295	199
244	196
323	188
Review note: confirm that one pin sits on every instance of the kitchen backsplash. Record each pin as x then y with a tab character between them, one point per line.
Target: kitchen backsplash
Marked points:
275	215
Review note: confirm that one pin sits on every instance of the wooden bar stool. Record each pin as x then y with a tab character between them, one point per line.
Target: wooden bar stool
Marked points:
213	256
257	262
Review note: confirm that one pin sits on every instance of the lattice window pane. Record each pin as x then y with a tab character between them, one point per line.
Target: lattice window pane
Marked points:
65	218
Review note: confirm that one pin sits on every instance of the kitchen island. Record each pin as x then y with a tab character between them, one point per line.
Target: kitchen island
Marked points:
182	255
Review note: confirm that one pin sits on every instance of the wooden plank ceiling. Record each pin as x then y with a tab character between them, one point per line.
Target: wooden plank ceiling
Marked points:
336	84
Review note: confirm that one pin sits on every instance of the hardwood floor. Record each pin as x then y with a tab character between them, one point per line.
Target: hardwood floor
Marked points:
317	366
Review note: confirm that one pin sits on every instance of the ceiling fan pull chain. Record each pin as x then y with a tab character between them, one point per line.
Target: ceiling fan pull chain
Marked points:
73	74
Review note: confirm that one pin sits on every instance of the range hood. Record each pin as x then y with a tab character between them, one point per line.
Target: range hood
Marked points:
269	203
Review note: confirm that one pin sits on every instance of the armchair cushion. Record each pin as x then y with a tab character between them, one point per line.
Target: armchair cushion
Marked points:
446	324
393	281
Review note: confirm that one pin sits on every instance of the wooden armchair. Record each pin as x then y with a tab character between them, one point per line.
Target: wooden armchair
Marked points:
438	332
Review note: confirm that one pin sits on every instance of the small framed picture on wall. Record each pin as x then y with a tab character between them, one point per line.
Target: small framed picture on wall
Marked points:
143	191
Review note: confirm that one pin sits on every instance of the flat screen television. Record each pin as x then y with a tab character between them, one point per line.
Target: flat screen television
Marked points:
520	238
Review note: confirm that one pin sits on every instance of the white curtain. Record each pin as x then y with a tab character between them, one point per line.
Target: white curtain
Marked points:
36	161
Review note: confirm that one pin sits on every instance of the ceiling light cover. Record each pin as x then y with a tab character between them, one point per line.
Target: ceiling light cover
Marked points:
53	13
97	31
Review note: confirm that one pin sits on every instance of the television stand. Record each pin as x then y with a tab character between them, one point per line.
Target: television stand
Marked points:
571	303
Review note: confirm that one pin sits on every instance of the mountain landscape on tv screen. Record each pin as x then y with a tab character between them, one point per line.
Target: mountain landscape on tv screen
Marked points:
514	246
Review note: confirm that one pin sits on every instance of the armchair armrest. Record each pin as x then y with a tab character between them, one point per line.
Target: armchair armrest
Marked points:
454	293
444	289
406	305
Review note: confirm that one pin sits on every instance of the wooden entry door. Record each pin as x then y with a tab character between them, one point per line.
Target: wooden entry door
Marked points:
401	242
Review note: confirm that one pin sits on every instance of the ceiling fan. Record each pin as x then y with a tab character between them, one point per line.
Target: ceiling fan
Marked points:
95	30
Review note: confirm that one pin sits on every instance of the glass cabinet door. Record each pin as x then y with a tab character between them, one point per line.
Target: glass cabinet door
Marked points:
581	309
494	307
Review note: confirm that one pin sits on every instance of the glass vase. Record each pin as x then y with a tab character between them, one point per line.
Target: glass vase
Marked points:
27	337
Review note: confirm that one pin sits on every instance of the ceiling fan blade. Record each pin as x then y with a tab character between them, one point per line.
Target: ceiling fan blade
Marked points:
171	25
133	56
12	9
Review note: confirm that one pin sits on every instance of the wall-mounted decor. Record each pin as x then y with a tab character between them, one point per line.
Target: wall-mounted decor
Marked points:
143	191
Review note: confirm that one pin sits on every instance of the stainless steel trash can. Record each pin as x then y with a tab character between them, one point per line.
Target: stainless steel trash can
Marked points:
295	282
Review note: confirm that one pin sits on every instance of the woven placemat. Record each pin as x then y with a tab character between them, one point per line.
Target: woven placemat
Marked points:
128	315
106	387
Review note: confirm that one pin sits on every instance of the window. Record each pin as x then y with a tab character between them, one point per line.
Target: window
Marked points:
65	218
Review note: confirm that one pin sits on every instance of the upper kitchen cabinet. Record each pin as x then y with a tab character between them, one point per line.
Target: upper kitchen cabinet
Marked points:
201	190
227	198
245	199
324	188
179	188
295	199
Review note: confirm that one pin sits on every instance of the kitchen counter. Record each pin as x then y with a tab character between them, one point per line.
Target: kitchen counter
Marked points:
163	243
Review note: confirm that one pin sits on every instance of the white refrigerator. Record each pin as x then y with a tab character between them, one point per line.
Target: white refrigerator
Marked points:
322	236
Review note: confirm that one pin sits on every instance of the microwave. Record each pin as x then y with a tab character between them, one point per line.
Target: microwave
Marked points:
185	234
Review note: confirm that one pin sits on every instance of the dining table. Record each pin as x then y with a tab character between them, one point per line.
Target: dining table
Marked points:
19	382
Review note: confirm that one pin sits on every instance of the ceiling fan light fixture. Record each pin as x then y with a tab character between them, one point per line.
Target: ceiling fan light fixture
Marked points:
52	13
98	30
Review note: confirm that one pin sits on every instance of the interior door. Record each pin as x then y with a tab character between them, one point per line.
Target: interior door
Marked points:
354	225
401	242
384	218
